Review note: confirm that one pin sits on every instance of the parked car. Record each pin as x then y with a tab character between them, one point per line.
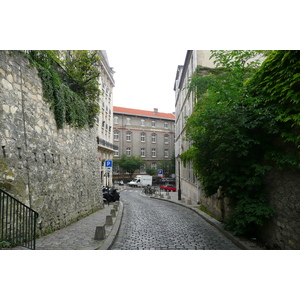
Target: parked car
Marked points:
110	194
169	187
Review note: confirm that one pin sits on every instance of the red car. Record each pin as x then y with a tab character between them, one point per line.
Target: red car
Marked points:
169	187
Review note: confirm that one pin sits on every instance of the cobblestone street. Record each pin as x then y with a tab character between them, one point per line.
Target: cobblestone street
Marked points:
153	224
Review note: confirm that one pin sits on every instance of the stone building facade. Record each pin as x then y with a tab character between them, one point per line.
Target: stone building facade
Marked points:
106	147
55	172
184	106
148	134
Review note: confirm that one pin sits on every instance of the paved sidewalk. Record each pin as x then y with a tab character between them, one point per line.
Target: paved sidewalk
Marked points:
80	235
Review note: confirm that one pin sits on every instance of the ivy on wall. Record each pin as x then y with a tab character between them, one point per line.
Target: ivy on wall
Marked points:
70	82
246	122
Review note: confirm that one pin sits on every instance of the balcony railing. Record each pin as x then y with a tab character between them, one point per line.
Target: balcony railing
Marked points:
106	144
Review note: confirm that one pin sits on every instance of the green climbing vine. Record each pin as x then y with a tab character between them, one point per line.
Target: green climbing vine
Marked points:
245	122
70	82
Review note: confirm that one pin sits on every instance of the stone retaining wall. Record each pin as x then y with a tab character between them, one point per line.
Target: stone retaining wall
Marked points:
55	172
283	230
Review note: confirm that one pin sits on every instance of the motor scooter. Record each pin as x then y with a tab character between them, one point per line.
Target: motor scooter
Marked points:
110	194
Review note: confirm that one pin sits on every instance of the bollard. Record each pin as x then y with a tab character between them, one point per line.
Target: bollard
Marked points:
189	202
100	233
116	207
113	212
109	220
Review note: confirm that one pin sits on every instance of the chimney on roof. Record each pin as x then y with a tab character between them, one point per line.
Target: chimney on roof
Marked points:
155	111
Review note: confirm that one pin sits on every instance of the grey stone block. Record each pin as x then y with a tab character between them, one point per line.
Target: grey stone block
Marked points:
100	233
109	220
113	212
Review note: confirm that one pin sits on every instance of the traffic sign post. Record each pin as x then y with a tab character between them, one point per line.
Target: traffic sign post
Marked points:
108	163
160	173
108	169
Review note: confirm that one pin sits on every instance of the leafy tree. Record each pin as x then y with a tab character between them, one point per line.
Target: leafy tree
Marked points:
129	163
168	167
70	82
230	133
151	171
277	84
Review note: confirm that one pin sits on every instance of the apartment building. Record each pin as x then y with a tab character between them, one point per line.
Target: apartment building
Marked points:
184	106
106	148
148	134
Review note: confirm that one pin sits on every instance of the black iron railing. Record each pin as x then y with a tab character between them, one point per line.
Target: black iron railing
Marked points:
17	222
106	144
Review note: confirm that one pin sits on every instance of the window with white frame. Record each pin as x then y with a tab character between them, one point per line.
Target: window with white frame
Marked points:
166	139
166	153
153	152
116	153
166	125
116	120
153	138
143	137
143	168
128	136
128	151
143	152
142	122
153	123
128	121
154	165
116	135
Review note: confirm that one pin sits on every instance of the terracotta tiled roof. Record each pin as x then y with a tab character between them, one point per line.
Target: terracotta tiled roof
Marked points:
146	113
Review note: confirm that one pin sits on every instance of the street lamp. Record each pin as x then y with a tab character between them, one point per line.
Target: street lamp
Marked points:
179	187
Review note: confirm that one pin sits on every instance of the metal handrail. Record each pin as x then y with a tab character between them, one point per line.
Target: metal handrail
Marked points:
17	222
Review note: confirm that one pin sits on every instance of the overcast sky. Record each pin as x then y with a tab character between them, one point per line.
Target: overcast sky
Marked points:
144	78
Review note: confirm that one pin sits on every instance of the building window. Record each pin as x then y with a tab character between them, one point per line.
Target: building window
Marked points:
153	123
116	135
166	139
153	152
116	120
153	138
143	168
128	136
142	122
142	152
116	153
154	165
166	153
143	137
166	125
128	121
128	151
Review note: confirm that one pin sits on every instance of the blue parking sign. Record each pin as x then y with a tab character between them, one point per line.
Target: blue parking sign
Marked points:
108	163
160	172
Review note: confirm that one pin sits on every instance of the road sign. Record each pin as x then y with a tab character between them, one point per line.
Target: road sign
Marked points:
108	163
160	173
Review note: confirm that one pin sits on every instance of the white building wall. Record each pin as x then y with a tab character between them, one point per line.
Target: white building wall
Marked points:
184	105
105	132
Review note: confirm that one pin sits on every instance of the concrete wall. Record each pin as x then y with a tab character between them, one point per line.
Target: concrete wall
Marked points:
56	173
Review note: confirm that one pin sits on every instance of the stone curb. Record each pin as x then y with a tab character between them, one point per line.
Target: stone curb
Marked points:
242	244
110	239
